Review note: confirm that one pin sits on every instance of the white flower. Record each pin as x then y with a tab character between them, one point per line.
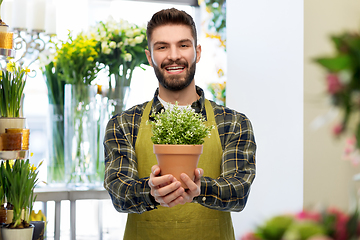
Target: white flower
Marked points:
132	42
112	44
126	42
137	31
128	57
129	33
119	44
105	48
139	39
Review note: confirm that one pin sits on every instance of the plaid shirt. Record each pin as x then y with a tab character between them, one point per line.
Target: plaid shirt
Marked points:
229	192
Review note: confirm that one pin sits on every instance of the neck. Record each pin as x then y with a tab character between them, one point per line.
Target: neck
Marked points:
184	97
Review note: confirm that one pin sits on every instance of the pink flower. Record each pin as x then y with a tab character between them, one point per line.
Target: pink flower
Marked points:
342	219
333	83
308	215
249	236
338	129
351	152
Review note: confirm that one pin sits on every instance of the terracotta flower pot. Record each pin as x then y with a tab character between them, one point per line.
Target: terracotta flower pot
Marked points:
177	159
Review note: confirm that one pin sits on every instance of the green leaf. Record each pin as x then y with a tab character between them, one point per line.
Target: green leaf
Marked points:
335	64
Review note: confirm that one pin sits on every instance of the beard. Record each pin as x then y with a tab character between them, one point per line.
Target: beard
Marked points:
175	83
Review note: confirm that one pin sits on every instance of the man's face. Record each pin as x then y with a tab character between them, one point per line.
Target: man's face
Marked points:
173	56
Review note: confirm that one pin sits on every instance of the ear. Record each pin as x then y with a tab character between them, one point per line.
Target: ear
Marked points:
148	56
198	53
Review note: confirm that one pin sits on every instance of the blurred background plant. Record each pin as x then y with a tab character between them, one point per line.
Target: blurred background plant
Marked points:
218	91
342	71
330	224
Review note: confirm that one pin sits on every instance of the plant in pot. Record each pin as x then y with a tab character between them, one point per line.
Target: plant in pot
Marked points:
19	179
178	135
12	83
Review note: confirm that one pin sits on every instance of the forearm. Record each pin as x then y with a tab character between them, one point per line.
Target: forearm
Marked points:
130	195
224	193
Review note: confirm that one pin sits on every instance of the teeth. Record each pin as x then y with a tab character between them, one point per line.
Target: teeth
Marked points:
174	68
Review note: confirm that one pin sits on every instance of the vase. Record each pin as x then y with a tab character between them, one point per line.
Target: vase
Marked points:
177	159
39	230
17	233
6	122
119	89
81	140
55	129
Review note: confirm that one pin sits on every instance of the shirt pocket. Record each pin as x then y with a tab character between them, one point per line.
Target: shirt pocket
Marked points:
174	230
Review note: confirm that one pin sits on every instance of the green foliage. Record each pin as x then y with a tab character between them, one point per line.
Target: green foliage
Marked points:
303	230
274	228
56	93
179	126
19	180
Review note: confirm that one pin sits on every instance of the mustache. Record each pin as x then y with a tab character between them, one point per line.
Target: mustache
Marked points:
177	62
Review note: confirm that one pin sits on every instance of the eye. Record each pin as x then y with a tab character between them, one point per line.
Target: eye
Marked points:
161	48
184	45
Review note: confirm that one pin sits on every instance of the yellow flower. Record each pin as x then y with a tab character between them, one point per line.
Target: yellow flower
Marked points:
10	66
0	73
90	59
37	216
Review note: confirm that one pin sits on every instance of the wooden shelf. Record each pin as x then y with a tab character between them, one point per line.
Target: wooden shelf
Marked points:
9	155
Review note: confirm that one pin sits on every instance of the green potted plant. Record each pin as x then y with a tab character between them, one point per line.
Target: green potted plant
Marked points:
178	135
12	83
20	179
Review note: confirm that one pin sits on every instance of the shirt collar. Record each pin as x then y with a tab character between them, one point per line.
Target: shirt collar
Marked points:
198	105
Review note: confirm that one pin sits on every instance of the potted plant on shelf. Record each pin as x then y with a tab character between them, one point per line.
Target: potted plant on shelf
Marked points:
178	135
19	180
12	83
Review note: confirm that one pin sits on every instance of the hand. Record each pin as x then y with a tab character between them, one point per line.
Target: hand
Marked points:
194	186
166	189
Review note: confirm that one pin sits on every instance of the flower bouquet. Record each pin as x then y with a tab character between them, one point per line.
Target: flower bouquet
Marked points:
342	79
76	58
120	47
178	135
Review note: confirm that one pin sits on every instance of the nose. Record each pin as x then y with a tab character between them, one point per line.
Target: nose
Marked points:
174	53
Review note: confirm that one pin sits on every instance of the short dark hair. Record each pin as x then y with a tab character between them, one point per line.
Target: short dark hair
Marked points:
170	16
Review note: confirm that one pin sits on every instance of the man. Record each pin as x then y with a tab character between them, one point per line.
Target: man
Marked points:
158	207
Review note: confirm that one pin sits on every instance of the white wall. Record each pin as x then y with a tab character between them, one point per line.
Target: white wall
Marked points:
265	81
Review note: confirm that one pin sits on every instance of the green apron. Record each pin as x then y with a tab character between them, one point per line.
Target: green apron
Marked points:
188	221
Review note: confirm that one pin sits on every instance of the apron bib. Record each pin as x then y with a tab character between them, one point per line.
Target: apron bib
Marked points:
188	221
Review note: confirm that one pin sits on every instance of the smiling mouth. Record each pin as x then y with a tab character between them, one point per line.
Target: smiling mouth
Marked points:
174	69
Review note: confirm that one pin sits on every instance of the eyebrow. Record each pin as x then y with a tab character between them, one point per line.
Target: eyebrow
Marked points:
165	43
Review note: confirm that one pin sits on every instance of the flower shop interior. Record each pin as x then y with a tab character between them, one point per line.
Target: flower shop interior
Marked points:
280	62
